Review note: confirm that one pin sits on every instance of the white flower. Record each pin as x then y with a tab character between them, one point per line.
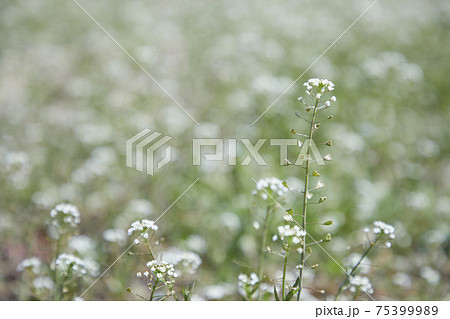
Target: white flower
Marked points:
318	87
63	216
163	271
380	226
142	227
136	242
328	103
289	233
115	235
320	184
333	99
360	283
270	185
84	245
185	261
139	274
70	265
328	157
246	281
33	263
43	283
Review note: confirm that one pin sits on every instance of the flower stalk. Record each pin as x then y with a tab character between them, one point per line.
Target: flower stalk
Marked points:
305	197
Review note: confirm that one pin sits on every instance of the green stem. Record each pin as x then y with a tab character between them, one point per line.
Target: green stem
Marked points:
347	279
305	198
283	284
153	289
149	249
262	252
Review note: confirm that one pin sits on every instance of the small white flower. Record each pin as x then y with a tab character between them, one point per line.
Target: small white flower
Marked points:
320	184
63	215
360	283
139	274
248	281
136	242
142	227
33	263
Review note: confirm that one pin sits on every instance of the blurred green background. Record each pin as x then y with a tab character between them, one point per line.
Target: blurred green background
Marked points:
70	98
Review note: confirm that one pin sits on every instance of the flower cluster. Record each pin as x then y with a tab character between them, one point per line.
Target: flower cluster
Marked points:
316	88
381	228
360	283
270	185
387	229
162	270
63	216
115	235
248	281
43	283
70	265
291	234
33	264
186	261
320	85
142	227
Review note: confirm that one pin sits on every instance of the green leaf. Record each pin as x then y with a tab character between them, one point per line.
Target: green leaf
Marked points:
315	173
290	211
297	282
289	295
328	223
285	184
277	298
327	237
293	131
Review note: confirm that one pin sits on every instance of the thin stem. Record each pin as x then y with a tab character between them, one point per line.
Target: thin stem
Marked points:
305	198
149	249
153	289
56	289
262	252
345	282
283	285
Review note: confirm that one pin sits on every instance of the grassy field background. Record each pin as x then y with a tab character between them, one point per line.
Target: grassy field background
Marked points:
70	98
